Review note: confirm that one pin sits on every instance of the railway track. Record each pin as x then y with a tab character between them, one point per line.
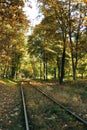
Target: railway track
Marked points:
46	95
24	109
67	110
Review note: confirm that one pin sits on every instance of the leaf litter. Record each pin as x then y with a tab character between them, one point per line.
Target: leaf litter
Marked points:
11	114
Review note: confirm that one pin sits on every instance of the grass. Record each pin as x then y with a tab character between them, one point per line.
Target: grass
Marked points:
7	82
73	94
45	115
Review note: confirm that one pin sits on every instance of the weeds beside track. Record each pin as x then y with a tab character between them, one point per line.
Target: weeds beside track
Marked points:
45	114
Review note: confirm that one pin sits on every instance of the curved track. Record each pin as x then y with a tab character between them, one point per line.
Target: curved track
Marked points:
78	118
66	109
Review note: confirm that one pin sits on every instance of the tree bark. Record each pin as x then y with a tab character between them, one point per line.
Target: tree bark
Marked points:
46	70
54	73
40	70
62	65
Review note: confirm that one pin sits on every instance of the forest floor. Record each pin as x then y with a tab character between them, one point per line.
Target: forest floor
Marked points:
44	115
11	115
71	94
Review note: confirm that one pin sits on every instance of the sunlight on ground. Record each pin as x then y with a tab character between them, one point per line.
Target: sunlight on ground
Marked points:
3	82
7	82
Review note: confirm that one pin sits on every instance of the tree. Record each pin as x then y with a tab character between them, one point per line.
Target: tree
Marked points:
75	26
13	24
54	10
60	17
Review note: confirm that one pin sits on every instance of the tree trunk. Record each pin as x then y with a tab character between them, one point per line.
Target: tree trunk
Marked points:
59	70
13	68
13	72
74	51
54	73
46	70
62	65
40	70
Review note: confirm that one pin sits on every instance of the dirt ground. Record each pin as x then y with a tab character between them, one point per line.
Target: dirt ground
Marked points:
11	114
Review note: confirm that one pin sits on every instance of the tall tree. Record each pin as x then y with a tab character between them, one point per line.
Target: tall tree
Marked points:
54	10
59	34
75	26
13	24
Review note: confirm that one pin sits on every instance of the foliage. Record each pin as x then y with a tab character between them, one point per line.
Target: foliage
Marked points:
61	35
13	24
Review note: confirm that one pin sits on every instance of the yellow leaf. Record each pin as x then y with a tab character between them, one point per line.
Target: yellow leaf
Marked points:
85	1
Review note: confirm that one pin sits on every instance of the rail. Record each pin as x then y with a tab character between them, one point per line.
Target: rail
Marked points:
24	108
66	109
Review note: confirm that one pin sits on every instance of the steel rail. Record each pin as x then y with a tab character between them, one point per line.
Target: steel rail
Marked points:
24	108
67	110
